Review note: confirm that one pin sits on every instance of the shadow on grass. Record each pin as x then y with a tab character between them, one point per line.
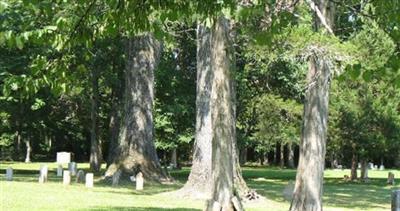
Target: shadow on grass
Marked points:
138	208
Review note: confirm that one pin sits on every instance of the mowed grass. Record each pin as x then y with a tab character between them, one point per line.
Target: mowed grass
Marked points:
25	193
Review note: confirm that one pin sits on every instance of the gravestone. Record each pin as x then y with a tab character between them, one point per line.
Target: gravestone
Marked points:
376	167
390	179
359	165
139	181
80	176
89	180
9	174
66	177
370	165
63	157
59	170
396	200
381	167
43	174
73	168
115	177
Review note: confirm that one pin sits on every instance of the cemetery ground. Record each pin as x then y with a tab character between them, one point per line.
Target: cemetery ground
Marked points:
24	192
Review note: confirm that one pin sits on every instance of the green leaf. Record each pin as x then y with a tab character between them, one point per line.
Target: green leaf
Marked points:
367	75
19	43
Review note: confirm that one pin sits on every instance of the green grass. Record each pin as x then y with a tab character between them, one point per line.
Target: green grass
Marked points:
25	193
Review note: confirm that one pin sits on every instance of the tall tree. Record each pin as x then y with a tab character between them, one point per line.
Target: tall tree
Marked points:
136	150
222	120
307	193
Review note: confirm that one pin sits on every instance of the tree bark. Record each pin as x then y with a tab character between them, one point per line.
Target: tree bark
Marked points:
243	156
223	121
28	150
95	149
354	164
198	185
307	195
136	150
282	156
174	159
290	158
364	170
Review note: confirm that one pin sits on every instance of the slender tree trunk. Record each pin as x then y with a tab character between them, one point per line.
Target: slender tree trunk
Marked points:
243	156
307	195
28	150
223	121
264	160
282	156
95	149
174	159
354	164
136	149
114	130
290	158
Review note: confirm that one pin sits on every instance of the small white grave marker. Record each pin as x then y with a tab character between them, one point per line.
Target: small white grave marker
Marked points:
89	180
59	170
381	167
43	174
73	168
63	157
139	181
9	174
66	177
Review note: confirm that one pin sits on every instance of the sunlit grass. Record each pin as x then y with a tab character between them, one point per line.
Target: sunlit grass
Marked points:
25	193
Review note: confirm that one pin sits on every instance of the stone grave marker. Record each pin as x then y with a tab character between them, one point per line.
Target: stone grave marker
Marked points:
43	173
80	176
139	181
72	168
381	167
370	165
390	179
66	177
396	200
115	177
376	167
9	174
63	157
89	180
59	170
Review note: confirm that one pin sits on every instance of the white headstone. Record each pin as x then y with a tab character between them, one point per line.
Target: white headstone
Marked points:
80	176
43	174
59	170
9	174
359	165
66	177
376	167
381	167
63	157
115	177
89	180
73	168
370	165
139	181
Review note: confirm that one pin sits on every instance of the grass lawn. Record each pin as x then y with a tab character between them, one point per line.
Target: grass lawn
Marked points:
25	193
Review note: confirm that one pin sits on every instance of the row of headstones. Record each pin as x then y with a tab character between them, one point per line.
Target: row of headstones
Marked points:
43	172
373	167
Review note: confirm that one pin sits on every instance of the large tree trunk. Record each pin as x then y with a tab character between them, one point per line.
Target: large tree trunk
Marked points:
364	170
354	165
198	185
136	150
223	120
95	149
307	195
290	158
28	150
